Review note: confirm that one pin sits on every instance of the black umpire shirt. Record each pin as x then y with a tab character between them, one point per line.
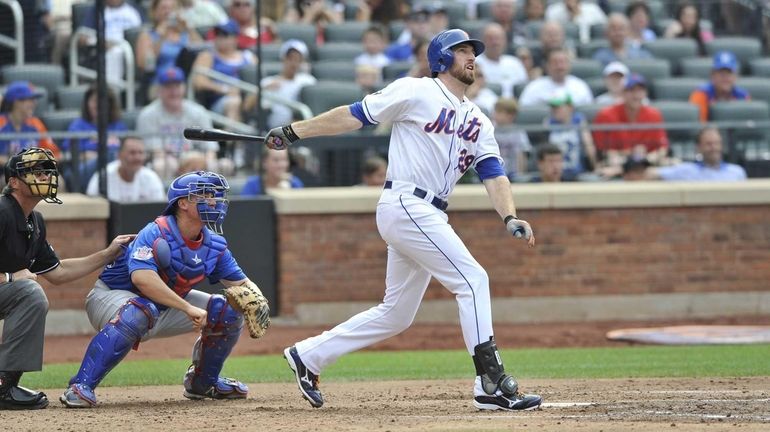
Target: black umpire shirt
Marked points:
22	240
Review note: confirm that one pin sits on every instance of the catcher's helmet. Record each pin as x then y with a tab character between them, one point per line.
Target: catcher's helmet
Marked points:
208	190
440	55
29	165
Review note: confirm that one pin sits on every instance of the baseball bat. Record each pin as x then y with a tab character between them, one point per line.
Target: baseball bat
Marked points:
218	135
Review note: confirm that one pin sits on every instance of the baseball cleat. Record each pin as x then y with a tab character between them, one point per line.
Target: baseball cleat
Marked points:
78	396
224	388
306	380
516	402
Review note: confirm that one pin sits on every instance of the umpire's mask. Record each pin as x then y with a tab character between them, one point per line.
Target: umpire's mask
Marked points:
38	169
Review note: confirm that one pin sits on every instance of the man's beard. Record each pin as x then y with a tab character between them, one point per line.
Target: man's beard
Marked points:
465	76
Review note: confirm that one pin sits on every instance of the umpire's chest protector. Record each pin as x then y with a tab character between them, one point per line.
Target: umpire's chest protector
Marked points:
182	265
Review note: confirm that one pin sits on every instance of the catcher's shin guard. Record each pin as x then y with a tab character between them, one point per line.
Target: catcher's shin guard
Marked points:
115	340
489	366
219	335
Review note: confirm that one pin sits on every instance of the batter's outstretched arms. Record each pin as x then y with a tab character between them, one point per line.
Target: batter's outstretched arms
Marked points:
499	191
333	122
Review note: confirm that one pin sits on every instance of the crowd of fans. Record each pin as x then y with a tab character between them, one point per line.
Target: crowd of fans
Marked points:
531	46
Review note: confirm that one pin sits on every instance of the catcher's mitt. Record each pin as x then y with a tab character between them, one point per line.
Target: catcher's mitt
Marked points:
248	299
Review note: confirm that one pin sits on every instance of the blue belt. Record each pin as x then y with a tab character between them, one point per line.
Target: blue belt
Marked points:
420	193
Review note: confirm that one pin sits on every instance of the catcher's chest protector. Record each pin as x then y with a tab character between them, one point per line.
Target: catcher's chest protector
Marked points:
181	266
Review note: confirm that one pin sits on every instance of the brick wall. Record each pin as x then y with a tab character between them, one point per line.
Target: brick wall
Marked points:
72	239
326	258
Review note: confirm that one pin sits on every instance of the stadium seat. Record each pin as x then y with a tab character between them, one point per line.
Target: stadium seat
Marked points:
745	48
517	89
697	67
346	31
533	116
456	11
270	52
305	32
249	74
760	66
598	31
334	71
586	68
70	97
651	69
587	50
325	95
590	110
396	28
597	86
129	118
532	28
395	70
339	51
80	13
495	87
743	140
758	87
682	139
484	10
673	50
678	88
42	75
59	120
475	28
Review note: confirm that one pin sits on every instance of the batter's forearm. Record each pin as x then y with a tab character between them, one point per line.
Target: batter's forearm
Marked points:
335	121
499	191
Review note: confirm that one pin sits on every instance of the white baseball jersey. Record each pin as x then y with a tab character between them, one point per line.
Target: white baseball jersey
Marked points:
435	137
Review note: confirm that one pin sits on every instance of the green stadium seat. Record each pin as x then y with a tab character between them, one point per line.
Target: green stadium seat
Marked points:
682	139
334	71
270	52
758	87
339	51
325	95
533	115
743	139
396	27
596	84
587	50
598	31
346	31
48	76
484	10
249	74
744	48
586	68
70	97
517	89
456	11
590	110
760	66
678	88
696	67
305	32
129	118
673	50
59	120
396	70
475	28
651	69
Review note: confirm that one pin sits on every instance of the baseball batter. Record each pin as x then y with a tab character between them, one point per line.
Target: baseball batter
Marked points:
437	135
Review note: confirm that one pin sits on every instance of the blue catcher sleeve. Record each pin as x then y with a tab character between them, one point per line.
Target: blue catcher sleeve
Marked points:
140	254
489	168
227	268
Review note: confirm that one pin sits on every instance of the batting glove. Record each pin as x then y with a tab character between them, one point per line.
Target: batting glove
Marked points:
279	138
518	228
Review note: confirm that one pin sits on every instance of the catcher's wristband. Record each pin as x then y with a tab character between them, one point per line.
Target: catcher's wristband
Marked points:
508	219
290	134
8	277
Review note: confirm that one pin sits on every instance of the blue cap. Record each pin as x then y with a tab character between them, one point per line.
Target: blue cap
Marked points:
170	75
725	60
21	90
634	80
229	27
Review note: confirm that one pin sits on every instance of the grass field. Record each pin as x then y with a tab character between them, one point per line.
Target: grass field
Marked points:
623	362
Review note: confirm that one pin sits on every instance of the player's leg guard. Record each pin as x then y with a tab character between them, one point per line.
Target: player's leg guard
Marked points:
108	348
222	330
502	390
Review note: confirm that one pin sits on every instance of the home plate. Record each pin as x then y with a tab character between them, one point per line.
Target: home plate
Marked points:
566	404
695	334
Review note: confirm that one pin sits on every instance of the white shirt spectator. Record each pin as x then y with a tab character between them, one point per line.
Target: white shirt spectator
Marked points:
590	14
540	90
486	100
168	127
507	71
203	13
379	60
119	19
146	186
288	89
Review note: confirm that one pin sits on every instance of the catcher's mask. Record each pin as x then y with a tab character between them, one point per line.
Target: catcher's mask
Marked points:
38	169
208	190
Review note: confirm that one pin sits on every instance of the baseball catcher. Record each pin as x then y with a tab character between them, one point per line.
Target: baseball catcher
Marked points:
149	293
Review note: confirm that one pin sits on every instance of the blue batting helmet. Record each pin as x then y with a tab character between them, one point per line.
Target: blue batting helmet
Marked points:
440	55
208	190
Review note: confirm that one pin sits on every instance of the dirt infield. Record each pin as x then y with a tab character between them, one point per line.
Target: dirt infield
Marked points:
581	405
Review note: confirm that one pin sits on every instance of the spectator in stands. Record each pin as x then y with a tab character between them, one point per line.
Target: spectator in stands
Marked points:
17	115
224	57
88	147
550	165
380	11
191	161
552	37
163	121
128	180
273	174
304	165
569	132
119	16
373	171
617	145
524	54
368	78
500	68
420	68
513	141
288	83
417	29
710	165
242	12
158	47
639	18
558	77
583	14
480	94
534	10
687	25
202	13
621	48
319	13
615	75
722	85
504	14
374	41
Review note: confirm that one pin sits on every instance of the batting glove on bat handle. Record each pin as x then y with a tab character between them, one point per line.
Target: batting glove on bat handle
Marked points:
518	228
279	138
